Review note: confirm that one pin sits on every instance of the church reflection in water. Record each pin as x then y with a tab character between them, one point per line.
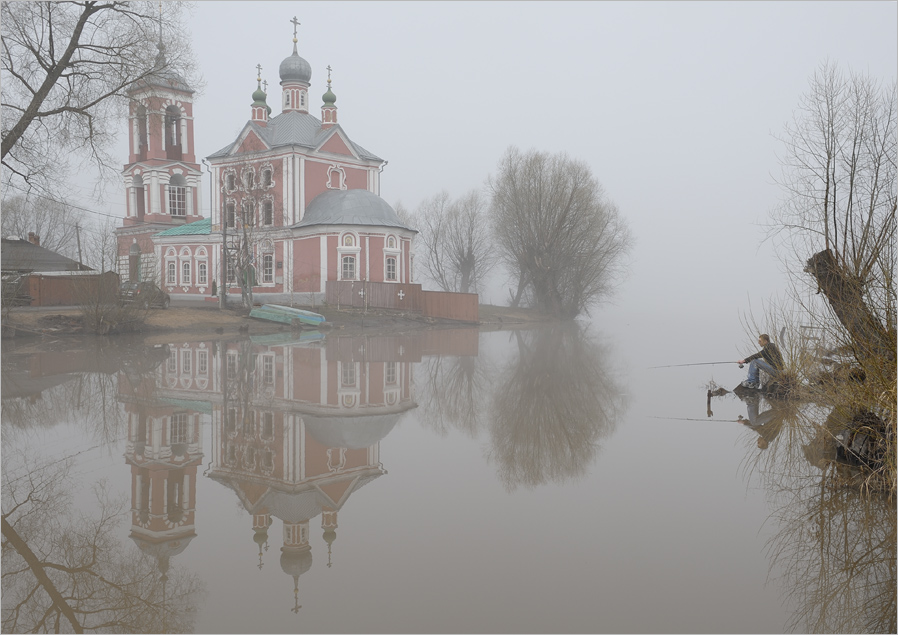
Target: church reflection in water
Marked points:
296	427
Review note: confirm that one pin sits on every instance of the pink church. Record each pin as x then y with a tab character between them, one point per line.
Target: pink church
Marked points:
295	188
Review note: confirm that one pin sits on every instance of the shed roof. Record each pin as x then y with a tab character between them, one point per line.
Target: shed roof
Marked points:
23	256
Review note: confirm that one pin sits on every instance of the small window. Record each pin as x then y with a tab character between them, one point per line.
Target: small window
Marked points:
266	178
267	213
348	267
391	242
231	182
248	216
232	365
347	375
267	426
201	274
202	362
171	272
287	99
186	362
390	373
391	268
268	369
173	361
302	98
232	273
267	269
348	240
248	179
230	212
185	273
179	428
177	200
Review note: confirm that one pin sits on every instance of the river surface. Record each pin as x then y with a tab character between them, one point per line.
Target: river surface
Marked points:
450	480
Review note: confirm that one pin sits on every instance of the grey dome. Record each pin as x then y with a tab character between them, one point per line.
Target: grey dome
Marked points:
352	433
295	563
350	207
295	69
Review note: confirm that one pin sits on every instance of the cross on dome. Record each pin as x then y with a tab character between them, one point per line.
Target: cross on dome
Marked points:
295	23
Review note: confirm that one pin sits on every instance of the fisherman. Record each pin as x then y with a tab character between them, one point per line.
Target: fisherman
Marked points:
767	359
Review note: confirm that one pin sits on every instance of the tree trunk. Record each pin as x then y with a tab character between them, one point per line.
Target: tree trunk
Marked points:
869	337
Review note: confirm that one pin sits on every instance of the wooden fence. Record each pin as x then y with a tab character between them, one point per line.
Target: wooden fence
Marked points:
403	297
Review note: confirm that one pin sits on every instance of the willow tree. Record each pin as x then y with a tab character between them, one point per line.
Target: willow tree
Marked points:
837	219
555	230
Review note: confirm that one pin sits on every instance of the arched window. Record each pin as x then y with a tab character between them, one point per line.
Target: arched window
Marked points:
177	195
248	214
141	115
230	182
266	177
390	273
249	178
173	133
202	276
348	240
185	273
267	269
171	273
139	200
287	99
230	213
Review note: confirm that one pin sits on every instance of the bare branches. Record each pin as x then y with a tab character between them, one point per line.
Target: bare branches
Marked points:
839	175
457	251
67	67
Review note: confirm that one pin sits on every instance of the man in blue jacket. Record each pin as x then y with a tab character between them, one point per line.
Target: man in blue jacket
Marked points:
767	359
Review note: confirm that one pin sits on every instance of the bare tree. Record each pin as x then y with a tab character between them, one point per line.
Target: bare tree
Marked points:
556	232
53	221
67	67
837	220
457	251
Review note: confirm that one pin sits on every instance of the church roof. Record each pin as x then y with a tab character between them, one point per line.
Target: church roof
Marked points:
200	227
350	207
294	128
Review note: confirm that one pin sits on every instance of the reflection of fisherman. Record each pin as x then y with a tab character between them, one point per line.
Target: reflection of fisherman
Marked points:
767	424
767	359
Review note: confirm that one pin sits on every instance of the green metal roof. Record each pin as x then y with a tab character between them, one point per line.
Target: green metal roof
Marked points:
191	229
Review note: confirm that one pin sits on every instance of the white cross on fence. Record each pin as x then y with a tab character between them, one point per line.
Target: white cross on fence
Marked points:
361	293
401	294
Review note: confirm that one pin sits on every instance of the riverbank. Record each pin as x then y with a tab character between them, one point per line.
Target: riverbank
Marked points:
199	322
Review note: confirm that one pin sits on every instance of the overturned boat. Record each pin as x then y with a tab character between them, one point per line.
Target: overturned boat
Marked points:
287	315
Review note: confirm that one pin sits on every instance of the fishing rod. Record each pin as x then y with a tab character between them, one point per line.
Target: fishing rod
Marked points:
698	364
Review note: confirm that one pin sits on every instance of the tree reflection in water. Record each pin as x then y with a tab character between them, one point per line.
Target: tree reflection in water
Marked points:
835	546
455	389
64	569
551	407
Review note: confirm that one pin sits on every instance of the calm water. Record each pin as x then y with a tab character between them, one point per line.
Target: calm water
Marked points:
444	481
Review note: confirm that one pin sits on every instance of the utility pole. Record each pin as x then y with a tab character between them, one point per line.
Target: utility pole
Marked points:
78	239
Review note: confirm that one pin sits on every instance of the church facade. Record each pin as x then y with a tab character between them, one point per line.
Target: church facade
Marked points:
295	202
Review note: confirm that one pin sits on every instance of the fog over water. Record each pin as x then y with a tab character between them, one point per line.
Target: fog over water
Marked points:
440	481
544	480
